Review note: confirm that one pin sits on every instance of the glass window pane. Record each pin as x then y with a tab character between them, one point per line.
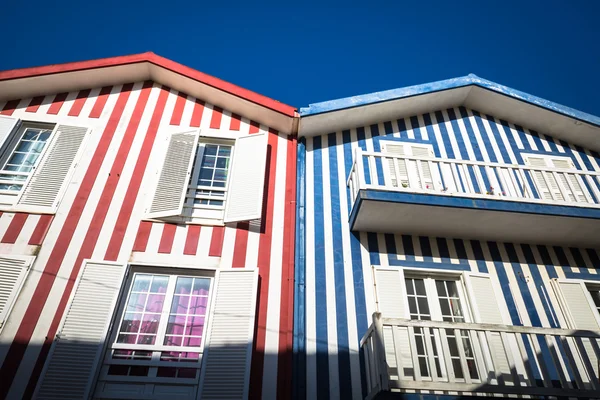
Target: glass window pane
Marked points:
184	285
208	162
409	286
136	302
155	303
412	305
222	162
441	288
141	283
201	286
452	289
176	325
24	147
224	151
159	284
456	308
180	304
445	307
420	286
210	149
457	368
423	306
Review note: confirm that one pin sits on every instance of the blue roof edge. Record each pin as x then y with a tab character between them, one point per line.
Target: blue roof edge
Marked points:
438	86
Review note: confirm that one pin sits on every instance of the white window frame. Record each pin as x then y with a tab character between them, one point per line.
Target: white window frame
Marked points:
412	168
8	197
207	213
158	347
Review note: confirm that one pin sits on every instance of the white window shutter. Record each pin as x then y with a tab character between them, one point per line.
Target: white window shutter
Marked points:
247	178
484	304
228	350
50	178
169	194
580	313
76	352
545	182
8	125
567	164
392	303
397	168
422	151
13	271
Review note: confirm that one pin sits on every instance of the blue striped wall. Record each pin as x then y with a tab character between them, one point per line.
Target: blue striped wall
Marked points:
336	300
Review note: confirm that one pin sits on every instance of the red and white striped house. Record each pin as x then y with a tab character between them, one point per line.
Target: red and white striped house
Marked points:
146	234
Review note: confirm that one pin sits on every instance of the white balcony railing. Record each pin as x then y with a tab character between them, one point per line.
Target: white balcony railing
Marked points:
412	355
473	179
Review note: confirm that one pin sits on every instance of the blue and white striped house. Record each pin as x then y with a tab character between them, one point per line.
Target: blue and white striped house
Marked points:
445	245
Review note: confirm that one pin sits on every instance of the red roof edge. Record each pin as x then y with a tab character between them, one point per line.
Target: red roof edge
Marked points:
159	61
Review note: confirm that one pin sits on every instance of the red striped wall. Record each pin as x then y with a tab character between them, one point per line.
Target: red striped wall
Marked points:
101	217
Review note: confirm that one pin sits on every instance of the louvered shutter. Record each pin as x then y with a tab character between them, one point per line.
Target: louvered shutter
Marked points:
50	177
422	151
484	304
76	352
397	168
169	194
566	179
227	353
391	303
545	182
247	178
13	271
579	311
8	125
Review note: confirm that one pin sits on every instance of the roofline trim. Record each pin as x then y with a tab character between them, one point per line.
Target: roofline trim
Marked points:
438	86
159	61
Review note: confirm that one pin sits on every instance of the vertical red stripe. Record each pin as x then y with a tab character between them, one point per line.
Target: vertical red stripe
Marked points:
191	240
57	103
178	110
39	233
254	127
79	103
10	107
216	241
32	314
264	257
241	245
141	240
100	102
15	227
217	115
116	240
34	104
167	238
197	113
236	120
286	313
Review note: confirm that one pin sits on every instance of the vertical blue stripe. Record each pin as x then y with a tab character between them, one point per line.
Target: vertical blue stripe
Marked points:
461	252
299	338
444	133
343	350
486	140
537	140
377	148
373	248
498	139
478	254
402	128
320	277
425	249
431	134
443	250
523	137
409	250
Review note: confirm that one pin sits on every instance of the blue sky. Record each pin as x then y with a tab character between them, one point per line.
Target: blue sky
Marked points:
306	52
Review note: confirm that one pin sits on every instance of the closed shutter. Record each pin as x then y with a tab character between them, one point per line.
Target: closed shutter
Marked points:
422	167
169	194
580	313
76	351
483	300
8	125
391	303
397	167
569	182
227	353
13	270
51	176
247	178
545	182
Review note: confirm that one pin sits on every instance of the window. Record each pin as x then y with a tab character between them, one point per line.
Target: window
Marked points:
554	182
207	191
210	179
161	328
22	156
595	293
439	300
36	162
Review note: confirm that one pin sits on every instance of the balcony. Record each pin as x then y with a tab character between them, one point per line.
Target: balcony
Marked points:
407	355
473	200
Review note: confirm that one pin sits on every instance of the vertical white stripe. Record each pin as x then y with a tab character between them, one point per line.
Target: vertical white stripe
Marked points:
471	256
179	239
451	135
400	247
409	128
545	144
465	135
204	241
516	136
20	246
89	103
438	135
67	104
435	251
383	252
188	111
229	235
530	140
424	134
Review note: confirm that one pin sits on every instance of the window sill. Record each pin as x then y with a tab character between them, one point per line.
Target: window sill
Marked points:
27	209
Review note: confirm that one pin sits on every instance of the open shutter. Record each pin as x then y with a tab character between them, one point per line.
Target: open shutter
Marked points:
75	354
51	176
7	126
397	168
391	303
175	173
247	178
579	311
228	350
13	270
483	300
